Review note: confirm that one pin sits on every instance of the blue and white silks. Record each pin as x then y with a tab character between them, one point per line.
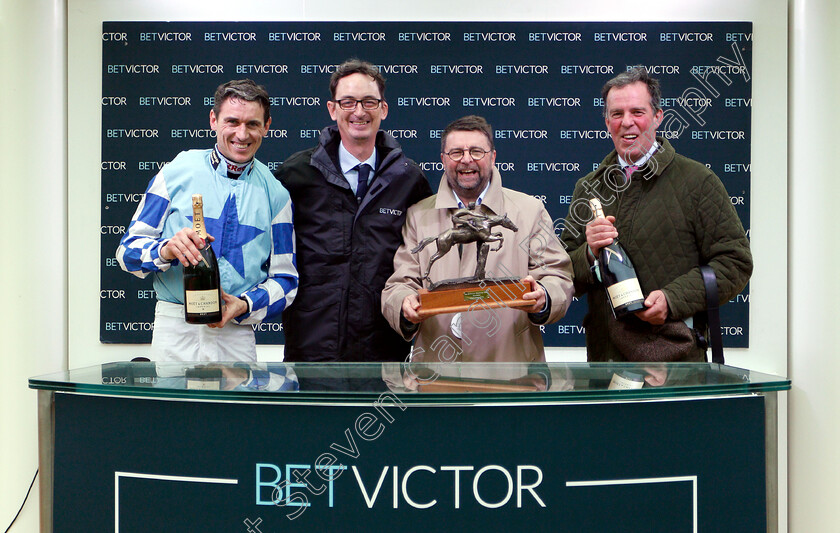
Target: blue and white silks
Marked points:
250	219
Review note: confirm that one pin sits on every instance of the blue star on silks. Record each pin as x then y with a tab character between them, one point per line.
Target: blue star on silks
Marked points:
230	235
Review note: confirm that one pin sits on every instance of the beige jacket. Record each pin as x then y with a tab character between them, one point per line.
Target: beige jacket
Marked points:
501	334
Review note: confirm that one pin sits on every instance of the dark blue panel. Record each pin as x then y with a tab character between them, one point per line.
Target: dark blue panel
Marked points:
538	83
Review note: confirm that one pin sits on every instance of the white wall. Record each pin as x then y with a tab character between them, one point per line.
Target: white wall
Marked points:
33	212
814	403
32	47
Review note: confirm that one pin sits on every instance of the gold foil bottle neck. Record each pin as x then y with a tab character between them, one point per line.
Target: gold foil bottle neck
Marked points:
198	215
597	209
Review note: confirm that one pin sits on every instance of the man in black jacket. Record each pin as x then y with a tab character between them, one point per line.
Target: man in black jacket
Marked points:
350	194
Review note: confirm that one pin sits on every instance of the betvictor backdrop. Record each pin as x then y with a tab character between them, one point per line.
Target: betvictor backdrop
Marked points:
538	84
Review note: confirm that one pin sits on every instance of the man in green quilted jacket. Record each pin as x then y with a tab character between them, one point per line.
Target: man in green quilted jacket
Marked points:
671	214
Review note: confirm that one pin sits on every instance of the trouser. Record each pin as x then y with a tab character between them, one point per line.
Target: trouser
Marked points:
173	340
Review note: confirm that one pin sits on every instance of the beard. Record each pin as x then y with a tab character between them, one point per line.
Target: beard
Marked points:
470	182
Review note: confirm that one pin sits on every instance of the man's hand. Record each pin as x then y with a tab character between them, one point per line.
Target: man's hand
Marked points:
184	246
537	381
537	293
410	305
232	377
600	232
656	375
232	308
656	308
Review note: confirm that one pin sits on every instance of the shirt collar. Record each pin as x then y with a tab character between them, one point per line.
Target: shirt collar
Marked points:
228	168
480	196
349	162
644	159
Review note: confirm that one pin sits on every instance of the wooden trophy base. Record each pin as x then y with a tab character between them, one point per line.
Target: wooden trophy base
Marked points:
458	296
457	385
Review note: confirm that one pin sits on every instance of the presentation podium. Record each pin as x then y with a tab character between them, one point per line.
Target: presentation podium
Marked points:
259	448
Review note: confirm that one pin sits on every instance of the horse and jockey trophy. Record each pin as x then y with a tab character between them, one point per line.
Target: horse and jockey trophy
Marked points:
477	292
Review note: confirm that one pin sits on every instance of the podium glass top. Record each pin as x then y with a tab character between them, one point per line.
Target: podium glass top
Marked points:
417	383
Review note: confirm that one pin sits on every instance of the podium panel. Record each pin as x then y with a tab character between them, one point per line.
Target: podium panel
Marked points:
358	447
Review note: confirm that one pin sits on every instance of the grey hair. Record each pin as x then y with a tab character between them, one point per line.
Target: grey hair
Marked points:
632	76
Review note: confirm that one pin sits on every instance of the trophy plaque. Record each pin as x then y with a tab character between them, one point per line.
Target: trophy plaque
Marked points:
473	296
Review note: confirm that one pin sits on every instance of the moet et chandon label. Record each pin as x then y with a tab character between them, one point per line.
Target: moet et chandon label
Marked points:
202	301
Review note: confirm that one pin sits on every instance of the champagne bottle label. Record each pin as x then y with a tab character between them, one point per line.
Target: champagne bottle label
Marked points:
626	381
625	291
202	301
204	384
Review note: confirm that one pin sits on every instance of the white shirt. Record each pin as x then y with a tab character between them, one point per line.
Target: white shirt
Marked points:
654	147
478	201
348	164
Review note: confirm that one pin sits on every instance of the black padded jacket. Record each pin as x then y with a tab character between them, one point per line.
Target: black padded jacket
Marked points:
345	251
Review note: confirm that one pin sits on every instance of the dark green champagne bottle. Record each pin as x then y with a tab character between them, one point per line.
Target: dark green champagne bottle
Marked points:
618	274
202	292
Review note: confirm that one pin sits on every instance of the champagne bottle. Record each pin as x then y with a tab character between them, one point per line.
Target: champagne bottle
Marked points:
202	292
618	274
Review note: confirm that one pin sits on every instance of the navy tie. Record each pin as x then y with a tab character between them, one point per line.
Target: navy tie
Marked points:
362	187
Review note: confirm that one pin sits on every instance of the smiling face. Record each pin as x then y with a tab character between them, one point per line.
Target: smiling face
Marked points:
468	177
239	128
357	127
631	120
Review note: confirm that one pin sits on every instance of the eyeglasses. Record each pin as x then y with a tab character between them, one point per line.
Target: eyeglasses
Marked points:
476	153
349	104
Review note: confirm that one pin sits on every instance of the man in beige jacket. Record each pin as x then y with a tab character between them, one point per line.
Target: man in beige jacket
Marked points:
532	254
